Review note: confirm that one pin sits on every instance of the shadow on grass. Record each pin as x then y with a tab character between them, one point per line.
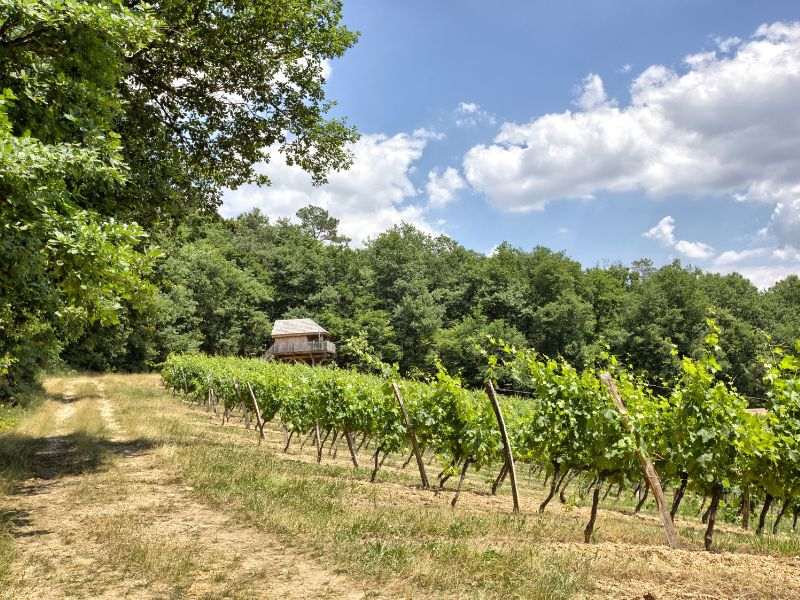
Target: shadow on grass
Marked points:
27	463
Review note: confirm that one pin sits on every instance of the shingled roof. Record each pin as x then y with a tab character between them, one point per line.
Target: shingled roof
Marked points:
284	327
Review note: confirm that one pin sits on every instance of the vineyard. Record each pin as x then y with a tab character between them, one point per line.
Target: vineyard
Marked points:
562	422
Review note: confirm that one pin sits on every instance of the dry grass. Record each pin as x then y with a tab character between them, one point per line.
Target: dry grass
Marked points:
398	535
394	539
130	545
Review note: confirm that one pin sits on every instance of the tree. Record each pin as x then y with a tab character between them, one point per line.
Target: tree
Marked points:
462	346
319	224
229	85
63	266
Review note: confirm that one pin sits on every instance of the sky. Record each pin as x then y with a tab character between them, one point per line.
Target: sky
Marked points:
611	130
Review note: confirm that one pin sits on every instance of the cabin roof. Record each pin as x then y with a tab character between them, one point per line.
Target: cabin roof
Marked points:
284	327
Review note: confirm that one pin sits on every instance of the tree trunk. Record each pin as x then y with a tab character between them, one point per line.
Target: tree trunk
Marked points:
408	460
777	522
679	492
377	464
608	491
704	518
460	482
642	500
288	441
562	494
587	533
702	504
501	477
445	474
716	494
746	509
795	514
762	518
636	490
332	447
349	437
553	483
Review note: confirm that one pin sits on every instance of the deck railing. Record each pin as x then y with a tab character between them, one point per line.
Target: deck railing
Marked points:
302	347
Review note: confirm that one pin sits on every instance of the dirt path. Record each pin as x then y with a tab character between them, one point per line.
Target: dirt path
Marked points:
100	519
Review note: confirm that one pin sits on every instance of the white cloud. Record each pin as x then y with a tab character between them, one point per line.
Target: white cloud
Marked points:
470	114
664	233
696	250
626	68
374	194
764	276
785	222
734	257
327	69
726	125
725	45
442	186
428	134
592	93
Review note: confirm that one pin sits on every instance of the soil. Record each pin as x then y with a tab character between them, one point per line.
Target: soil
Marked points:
113	532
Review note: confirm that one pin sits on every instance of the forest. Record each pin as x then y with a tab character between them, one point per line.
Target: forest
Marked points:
415	298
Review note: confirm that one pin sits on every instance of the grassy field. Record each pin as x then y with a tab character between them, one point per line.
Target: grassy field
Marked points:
148	496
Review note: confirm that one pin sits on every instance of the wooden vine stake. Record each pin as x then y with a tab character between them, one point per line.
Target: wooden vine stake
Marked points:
650	474
259	421
512	471
423	475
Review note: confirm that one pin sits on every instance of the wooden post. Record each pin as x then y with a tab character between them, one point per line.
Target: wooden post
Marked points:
650	474
317	441
412	437
259	420
512	472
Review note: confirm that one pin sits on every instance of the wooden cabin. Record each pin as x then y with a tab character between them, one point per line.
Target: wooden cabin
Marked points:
301	340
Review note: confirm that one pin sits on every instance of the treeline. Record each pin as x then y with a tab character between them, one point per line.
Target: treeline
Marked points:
414	298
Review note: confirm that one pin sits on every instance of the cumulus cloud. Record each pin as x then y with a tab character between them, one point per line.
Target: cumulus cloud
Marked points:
442	186
726	124
470	114
592	93
785	222
664	233
725	45
763	276
374	194
735	257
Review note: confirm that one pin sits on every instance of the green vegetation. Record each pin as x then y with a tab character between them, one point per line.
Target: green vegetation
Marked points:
414	298
701	433
117	121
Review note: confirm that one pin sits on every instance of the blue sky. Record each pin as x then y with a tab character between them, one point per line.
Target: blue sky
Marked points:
611	130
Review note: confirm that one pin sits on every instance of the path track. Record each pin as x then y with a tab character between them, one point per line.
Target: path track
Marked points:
124	528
